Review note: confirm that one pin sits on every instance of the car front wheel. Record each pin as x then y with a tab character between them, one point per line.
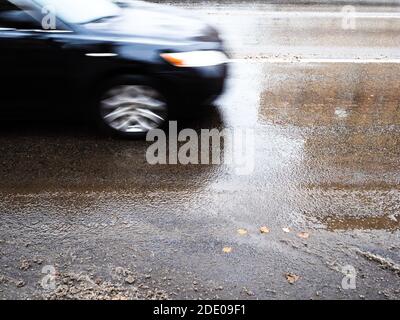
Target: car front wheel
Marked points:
131	110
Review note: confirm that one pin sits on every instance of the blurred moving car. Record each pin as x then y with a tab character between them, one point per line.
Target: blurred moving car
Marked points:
129	61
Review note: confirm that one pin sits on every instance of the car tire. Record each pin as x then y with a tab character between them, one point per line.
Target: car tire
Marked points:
129	107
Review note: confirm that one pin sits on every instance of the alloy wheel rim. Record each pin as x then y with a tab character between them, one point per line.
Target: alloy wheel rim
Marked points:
133	109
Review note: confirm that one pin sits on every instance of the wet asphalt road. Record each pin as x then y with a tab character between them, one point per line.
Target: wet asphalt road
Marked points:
327	163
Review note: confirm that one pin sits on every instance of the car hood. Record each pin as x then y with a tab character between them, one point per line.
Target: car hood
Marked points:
143	19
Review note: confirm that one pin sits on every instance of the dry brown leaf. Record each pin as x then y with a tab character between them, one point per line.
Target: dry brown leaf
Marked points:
303	235
264	229
287	230
242	232
291	277
227	249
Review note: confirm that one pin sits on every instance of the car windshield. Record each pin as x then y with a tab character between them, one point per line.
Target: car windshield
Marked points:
78	11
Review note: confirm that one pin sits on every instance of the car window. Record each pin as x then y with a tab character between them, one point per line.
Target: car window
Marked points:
11	10
81	12
7	6
11	13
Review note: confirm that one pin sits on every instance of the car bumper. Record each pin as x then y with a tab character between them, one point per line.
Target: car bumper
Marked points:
194	85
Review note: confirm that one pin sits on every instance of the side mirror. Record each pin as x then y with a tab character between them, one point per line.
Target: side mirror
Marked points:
18	20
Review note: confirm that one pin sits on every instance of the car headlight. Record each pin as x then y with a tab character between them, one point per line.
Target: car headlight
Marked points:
195	58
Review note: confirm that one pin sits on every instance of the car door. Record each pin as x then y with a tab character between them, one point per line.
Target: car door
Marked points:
34	69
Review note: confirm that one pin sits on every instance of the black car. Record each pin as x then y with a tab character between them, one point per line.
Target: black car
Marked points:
128	62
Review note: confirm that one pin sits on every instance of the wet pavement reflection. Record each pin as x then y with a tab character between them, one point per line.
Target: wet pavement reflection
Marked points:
327	141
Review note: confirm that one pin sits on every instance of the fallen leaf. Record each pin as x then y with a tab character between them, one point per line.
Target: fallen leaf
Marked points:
227	249
291	277
287	230
303	235
264	229
242	232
